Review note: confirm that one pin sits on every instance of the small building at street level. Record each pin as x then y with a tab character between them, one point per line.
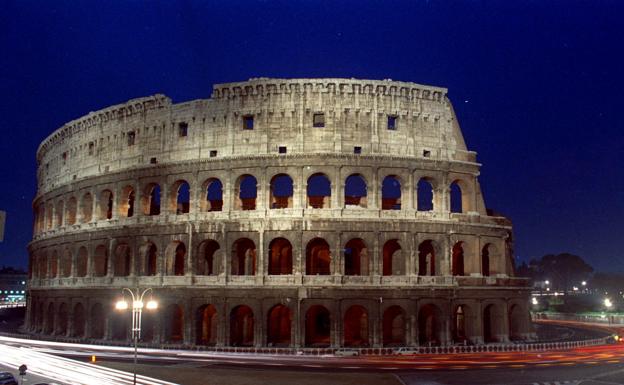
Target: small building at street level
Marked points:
278	212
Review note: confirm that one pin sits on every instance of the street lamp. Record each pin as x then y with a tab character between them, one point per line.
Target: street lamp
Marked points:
137	308
608	303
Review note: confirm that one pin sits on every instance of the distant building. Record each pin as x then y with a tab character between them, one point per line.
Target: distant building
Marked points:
12	285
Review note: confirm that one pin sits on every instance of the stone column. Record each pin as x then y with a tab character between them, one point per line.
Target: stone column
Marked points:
189	321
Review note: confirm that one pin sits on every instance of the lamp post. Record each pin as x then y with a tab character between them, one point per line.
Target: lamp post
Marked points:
137	308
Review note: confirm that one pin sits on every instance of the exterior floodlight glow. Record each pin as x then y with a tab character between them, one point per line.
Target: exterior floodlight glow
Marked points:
547	282
547	289
607	303
575	288
121	305
534	301
584	283
152	305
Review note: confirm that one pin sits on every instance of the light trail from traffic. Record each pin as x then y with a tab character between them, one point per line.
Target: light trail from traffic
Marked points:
68	371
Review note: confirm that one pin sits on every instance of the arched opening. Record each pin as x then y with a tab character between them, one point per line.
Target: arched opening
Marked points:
123	257
81	262
181	197
319	191
100	261
148	325
356	257
206	329
59	213
241	326
106	205
86	208
66	263
79	321
488	324
280	257
40	218
424	195
151	199
151	258
428	325
244	257
459	324
281	192
96	322
50	216
126	206
426	258
63	314
278	326
71	211
54	265
40	318
318	257
393	261
355	191
457	259
391	193
214	195
485	260
394	326
246	192
49	319
174	324
356	326
207	263
456	198
515	322
317	326
43	266
175	255
119	325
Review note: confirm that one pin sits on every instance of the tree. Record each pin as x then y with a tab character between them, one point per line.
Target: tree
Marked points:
564	270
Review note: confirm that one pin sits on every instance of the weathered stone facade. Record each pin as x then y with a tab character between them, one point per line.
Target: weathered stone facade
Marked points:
299	212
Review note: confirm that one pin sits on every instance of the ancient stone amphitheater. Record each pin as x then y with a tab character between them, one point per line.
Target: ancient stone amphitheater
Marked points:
279	212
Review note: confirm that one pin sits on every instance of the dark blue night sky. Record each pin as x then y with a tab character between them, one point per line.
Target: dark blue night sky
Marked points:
537	87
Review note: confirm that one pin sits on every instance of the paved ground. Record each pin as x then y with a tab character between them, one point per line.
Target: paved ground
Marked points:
212	375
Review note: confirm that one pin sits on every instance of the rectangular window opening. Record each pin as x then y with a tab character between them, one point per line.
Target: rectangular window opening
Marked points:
213	153
426	153
91	148
282	149
182	129
357	150
153	160
392	122
248	122
318	120
131	137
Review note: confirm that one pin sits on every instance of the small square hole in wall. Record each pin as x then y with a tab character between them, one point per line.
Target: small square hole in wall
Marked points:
248	122
213	153
318	119
282	149
153	160
182	129
357	150
131	137
392	122
426	153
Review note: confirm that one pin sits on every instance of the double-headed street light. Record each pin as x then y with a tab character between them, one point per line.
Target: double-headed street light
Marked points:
137	308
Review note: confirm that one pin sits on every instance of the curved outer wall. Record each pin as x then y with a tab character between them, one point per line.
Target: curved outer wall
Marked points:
129	196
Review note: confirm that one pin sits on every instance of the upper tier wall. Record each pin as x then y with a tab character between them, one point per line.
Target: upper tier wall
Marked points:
355	114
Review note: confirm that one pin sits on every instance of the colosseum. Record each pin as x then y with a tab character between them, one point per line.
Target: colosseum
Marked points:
277	213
